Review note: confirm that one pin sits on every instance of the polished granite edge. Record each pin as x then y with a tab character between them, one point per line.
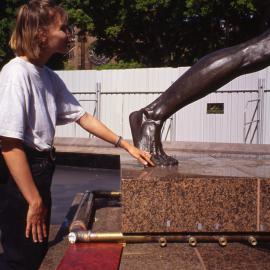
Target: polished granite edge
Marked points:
88	143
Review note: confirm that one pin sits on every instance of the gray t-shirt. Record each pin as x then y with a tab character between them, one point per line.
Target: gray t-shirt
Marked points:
33	101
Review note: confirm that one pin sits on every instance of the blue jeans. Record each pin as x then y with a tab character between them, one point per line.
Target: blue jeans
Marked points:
21	253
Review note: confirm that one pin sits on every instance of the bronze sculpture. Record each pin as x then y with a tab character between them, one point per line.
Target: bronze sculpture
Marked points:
206	76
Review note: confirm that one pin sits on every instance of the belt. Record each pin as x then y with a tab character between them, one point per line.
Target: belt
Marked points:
50	154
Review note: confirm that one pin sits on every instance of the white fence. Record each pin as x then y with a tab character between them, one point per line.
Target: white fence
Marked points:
113	94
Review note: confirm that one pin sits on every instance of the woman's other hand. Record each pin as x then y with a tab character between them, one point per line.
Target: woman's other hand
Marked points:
16	160
35	222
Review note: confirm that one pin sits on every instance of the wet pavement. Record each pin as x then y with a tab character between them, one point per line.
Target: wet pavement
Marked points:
68	181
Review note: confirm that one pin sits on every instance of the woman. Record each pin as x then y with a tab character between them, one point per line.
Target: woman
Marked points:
33	100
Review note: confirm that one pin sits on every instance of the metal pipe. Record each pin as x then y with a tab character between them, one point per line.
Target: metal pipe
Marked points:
83	213
193	240
85	208
98	98
106	194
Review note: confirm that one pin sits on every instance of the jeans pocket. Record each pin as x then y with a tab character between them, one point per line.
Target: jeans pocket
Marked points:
39	166
42	172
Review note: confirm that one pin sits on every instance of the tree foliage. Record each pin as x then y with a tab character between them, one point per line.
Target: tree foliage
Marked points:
167	32
8	12
8	9
157	32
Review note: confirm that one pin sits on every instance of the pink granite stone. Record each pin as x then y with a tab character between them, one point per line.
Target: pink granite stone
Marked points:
156	201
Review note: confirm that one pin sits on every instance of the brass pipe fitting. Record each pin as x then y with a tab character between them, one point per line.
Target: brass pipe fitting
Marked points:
162	242
192	241
253	241
79	236
222	241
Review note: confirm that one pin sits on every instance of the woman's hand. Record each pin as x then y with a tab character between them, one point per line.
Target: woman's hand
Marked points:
35	222
94	126
142	156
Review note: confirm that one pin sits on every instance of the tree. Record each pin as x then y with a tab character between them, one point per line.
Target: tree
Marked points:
155	33
8	9
166	32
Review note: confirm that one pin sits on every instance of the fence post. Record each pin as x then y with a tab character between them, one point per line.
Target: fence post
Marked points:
261	88
173	125
98	100
173	128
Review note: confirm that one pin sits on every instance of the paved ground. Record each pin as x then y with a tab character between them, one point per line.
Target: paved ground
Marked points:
179	256
69	181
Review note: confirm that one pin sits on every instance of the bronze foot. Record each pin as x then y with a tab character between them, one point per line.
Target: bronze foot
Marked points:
146	136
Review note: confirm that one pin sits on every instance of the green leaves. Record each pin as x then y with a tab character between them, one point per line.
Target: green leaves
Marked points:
170	32
243	4
113	31
216	7
81	19
149	5
7	20
156	33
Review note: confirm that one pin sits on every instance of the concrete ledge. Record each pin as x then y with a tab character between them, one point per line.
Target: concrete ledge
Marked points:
99	149
95	145
237	148
85	145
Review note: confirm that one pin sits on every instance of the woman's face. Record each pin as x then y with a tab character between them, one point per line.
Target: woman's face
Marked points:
57	38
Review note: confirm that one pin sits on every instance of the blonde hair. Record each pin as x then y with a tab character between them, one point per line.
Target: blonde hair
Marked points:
31	19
